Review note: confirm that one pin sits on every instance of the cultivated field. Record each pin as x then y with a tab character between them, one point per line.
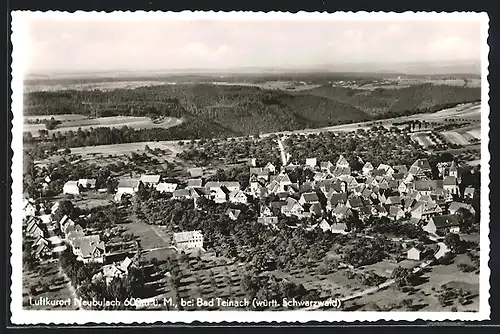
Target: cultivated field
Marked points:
84	123
126	149
454	137
103	86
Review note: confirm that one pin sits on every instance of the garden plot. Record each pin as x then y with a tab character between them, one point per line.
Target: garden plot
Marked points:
84	123
454	137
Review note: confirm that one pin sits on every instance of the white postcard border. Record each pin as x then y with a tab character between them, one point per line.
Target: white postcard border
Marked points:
31	317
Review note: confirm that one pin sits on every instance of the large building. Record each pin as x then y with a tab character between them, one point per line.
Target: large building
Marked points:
188	240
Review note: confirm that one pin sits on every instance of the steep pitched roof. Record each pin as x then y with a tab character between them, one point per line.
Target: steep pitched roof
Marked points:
342	161
445	221
310	197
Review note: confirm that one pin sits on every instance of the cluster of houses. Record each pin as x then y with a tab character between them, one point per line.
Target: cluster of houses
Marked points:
38	224
334	193
53	237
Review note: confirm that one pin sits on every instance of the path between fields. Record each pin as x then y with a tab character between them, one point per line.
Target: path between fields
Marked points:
439	254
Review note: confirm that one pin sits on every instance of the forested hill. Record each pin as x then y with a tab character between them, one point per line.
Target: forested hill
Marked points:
239	109
392	102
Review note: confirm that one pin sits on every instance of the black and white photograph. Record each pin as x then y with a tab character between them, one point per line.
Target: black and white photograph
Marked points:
249	167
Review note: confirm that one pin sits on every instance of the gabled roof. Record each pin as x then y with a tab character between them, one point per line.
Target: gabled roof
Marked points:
455	206
325	164
196	172
335	199
316	209
422	164
355	202
150	178
368	165
393	200
341	161
234	212
166	186
194	183
181	193
426	185
445	221
187	235
395	210
71	184
310	197
128	183
450	181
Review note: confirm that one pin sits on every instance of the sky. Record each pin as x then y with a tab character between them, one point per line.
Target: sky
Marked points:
66	45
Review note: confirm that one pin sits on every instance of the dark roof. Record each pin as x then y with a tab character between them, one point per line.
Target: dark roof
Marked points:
310	197
423	164
445	221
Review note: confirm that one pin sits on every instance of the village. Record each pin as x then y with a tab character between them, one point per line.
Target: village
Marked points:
428	218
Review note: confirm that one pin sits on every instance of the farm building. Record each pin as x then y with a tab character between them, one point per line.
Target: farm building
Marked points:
166	187
150	180
455	206
415	253
229	185
188	240
128	186
442	225
89	249
71	188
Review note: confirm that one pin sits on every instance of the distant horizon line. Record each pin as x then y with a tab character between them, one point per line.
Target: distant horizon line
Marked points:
280	69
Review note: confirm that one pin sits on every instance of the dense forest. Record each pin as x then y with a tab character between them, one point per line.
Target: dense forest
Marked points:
393	102
216	110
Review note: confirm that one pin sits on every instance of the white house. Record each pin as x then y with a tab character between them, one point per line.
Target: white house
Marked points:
188	240
71	188
415	253
367	168
150	180
166	187
128	186
311	162
342	162
238	196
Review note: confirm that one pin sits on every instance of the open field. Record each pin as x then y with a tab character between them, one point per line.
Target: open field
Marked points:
272	85
126	149
103	86
81	122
